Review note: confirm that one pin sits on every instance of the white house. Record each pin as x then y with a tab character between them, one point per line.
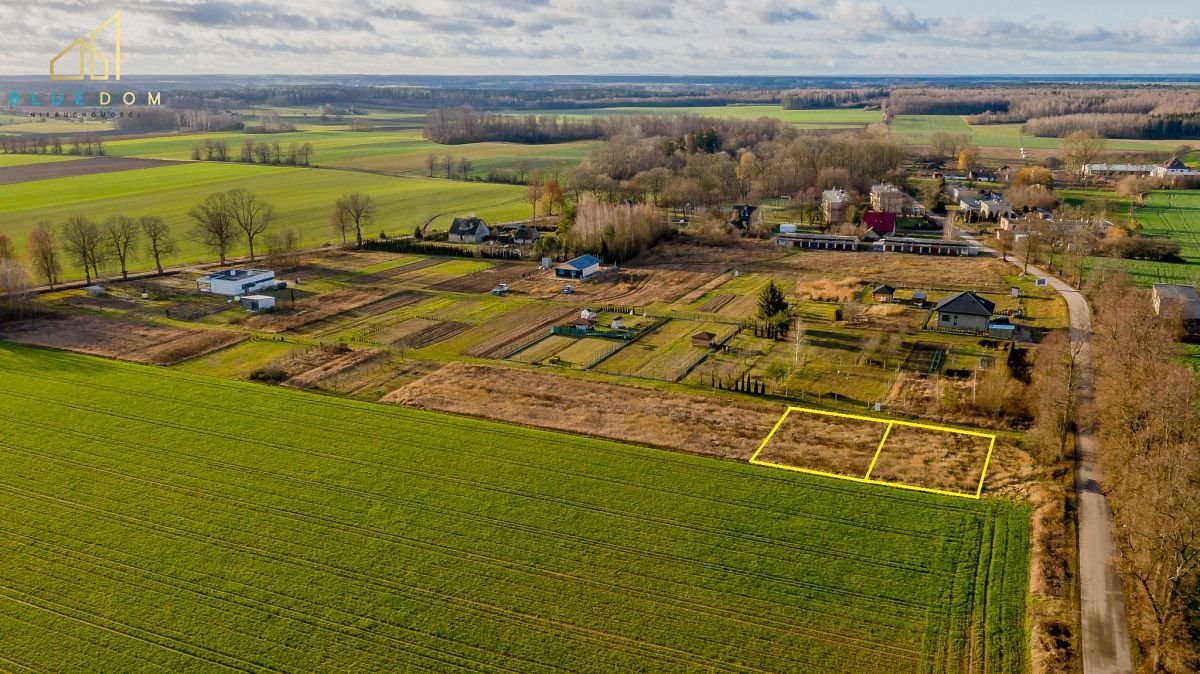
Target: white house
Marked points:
833	205
1173	168
258	302
236	282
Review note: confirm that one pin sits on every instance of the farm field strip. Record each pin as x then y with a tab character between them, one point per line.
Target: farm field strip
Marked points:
905	428
224	535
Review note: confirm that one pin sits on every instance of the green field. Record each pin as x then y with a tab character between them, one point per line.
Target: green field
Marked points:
302	199
162	520
391	152
807	119
919	128
1172	214
25	159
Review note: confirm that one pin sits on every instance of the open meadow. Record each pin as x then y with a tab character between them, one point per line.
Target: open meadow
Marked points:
191	523
918	129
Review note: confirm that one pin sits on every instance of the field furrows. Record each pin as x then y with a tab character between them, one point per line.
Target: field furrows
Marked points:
432	334
166	528
388	274
714	305
507	343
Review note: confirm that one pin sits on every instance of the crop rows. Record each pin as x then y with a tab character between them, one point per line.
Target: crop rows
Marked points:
185	522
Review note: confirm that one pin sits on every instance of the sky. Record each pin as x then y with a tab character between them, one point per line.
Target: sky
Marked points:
681	37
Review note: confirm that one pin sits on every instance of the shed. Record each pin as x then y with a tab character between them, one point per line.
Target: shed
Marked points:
95	291
883	293
919	298
583	324
582	267
703	340
526	235
964	311
258	302
235	282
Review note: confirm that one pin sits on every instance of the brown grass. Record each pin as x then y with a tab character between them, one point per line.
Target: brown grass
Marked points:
829	289
316	308
829	444
934	459
79	167
124	339
330	364
699	424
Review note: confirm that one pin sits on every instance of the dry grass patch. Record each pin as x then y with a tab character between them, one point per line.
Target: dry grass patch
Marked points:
932	459
698	424
316	308
829	289
824	443
124	339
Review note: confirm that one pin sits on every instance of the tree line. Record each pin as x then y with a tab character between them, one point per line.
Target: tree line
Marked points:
453	126
254	152
86	146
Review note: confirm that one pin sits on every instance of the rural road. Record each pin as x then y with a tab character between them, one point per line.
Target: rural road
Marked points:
1105	638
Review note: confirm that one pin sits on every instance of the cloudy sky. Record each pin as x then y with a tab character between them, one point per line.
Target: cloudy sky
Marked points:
727	37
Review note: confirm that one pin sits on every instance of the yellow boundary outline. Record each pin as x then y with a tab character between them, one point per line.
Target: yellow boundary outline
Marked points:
866	479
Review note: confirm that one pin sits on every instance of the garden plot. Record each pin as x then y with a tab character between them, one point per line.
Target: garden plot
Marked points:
664	353
484	280
524	327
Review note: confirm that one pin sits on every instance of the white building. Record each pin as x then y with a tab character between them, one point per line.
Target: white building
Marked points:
833	205
235	282
1173	168
258	302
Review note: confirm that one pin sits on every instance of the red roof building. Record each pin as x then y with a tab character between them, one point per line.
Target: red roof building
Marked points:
882	223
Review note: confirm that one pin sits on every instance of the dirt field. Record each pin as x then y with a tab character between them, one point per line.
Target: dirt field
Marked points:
532	323
386	275
25	173
630	287
687	253
432	334
714	305
699	424
316	308
148	343
909	271
483	281
829	444
327	364
935	459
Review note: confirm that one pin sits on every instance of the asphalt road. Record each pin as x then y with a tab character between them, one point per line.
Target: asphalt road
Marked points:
1105	637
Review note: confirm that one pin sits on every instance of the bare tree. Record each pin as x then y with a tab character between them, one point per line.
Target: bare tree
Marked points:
1051	396
248	149
356	211
283	247
214	224
448	164
533	194
340	222
84	242
121	232
43	253
431	164
1081	148
16	292
464	168
159	240
7	250
251	214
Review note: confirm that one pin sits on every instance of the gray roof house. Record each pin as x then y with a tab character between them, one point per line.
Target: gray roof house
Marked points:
468	230
1178	301
964	311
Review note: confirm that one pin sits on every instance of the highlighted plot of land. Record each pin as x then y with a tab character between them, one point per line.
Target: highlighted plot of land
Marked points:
901	454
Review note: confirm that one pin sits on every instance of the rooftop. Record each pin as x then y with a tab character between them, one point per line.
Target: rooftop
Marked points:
967	303
238	274
582	262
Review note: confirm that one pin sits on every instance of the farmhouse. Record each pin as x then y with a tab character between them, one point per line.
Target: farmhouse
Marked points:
925	246
883	293
818	241
468	230
1173	168
703	340
526	235
833	205
582	267
1180	302
235	282
964	311
887	198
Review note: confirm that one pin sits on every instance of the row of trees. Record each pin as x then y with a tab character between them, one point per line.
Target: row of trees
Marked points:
254	152
86	146
453	126
90	245
1148	402
616	232
1117	125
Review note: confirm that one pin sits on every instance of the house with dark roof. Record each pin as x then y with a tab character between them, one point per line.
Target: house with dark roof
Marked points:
883	293
468	230
703	340
526	235
964	311
582	267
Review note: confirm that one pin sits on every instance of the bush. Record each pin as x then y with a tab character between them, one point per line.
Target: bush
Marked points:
269	375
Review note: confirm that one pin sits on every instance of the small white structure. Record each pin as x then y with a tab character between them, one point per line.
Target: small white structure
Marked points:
95	291
258	302
235	282
787	228
833	205
588	315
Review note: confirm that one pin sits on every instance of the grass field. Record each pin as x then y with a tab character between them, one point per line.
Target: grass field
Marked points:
919	128
26	159
302	199
390	152
167	527
805	119
1172	214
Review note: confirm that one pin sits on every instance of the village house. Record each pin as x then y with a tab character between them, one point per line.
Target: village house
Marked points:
994	208
964	311
883	293
1173	168
833	205
1179	302
524	236
468	230
886	198
582	268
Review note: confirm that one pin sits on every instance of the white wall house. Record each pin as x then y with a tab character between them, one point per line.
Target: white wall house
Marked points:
235	282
